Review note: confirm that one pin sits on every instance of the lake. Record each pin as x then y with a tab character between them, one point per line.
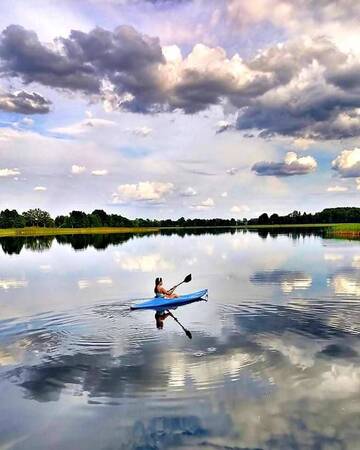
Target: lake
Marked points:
274	362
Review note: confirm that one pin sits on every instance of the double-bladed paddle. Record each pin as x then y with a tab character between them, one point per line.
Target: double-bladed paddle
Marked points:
187	279
187	332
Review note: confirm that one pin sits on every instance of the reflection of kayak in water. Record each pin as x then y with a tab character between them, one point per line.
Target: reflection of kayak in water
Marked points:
161	303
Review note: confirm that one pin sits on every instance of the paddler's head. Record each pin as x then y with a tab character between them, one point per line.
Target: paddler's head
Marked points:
158	281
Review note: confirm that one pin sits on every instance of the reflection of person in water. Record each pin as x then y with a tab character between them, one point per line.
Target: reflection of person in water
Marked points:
160	316
160	290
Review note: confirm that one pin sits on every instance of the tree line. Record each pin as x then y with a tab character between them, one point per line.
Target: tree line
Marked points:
327	215
99	218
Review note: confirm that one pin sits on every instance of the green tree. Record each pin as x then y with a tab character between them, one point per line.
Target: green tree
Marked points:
274	219
263	219
37	218
102	216
78	219
11	219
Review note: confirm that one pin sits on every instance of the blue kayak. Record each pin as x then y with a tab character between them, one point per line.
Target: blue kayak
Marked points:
161	303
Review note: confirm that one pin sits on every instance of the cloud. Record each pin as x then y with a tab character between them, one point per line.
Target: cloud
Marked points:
347	164
27	121
224	194
356	262
141	131
287	279
305	100
337	188
99	172
305	88
223	125
239	209
232	171
358	184
188	192
303	143
143	263
77	170
40	188
344	284
10	283
143	191
206	204
338	20
80	62
9	172
85	126
332	257
86	283
292	165
24	103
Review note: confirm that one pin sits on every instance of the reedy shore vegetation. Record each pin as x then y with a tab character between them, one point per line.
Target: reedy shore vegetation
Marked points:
338	222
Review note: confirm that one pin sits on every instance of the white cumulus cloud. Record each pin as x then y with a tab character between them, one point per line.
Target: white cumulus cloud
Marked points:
77	170
151	191
347	164
40	188
292	165
337	188
99	172
237	209
206	204
188	192
141	131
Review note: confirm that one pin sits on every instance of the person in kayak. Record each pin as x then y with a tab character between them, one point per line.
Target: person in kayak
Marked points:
160	290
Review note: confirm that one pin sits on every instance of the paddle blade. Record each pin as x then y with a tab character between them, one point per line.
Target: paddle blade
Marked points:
188	334
187	278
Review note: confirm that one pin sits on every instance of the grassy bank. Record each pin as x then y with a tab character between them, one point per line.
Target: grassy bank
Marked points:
40	231
342	230
290	225
345	230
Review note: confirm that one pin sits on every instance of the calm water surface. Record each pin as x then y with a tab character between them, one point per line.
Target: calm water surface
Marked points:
273	364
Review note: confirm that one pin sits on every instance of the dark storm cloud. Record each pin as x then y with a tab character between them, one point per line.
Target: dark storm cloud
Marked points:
304	88
23	55
314	93
315	111
24	102
346	77
123	56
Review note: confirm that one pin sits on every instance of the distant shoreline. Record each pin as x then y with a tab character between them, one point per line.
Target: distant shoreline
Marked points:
345	230
44	231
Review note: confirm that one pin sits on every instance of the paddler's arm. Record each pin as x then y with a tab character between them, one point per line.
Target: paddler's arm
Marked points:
170	291
166	292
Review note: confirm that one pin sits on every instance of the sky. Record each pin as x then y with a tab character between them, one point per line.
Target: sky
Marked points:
165	108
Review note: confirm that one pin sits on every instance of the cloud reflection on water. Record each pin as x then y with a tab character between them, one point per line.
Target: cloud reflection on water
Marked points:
265	369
